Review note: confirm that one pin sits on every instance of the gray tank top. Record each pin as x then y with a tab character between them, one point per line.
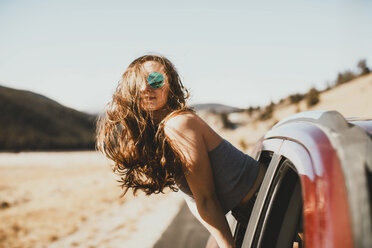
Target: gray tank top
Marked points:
234	174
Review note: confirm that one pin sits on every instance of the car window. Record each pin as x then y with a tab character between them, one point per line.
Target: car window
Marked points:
239	229
282	225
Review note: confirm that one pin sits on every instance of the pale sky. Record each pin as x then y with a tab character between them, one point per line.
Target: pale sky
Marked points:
239	53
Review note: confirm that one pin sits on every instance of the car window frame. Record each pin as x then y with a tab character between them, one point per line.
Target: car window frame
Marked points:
280	148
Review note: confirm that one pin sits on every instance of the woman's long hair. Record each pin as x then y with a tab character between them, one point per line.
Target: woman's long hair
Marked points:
143	157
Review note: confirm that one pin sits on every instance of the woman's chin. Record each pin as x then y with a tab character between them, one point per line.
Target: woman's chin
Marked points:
151	108
154	107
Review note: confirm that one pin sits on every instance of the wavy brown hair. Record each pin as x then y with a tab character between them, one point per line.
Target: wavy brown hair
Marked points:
129	136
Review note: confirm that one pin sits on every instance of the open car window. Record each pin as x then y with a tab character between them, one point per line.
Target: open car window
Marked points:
278	217
282	226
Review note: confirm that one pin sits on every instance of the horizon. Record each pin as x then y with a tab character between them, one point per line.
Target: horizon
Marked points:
95	113
75	53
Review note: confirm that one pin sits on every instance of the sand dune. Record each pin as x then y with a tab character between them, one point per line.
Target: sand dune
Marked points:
353	99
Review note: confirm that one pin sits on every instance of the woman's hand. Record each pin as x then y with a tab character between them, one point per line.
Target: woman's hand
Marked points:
185	133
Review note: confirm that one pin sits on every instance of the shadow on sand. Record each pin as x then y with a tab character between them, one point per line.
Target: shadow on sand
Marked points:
184	231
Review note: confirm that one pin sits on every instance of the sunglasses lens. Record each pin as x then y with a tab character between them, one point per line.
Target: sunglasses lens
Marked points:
155	80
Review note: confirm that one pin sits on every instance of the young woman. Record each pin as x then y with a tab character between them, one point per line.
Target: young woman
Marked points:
156	141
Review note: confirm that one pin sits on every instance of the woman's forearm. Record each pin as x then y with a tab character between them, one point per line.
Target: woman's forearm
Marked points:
213	218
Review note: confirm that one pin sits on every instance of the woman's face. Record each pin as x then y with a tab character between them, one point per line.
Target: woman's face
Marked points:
154	98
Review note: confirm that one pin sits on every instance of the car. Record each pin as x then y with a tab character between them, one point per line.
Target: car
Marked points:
317	190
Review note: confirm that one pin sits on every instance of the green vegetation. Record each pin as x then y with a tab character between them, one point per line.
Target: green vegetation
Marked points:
348	75
251	110
344	77
267	113
227	124
295	98
362	65
312	97
33	122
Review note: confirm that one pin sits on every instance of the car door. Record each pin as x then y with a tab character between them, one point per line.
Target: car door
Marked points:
276	219
315	191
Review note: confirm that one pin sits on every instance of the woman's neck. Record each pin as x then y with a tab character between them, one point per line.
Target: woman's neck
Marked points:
160	114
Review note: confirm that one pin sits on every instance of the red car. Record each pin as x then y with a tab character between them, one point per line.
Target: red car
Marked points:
318	187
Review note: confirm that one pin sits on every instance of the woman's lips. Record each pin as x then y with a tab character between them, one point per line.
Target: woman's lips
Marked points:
149	98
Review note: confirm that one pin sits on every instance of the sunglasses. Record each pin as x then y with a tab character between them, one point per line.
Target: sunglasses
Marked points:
156	80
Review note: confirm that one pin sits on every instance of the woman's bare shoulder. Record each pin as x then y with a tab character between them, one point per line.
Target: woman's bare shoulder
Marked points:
189	123
182	120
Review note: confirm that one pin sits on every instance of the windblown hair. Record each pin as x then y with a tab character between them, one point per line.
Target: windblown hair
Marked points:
128	135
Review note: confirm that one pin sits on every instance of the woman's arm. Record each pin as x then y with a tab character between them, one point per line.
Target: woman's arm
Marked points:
186	133
211	243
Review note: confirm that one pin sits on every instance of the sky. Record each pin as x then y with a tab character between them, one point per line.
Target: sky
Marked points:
239	53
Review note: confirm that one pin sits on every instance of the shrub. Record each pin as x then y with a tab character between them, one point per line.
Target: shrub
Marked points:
295	98
267	113
312	97
226	121
344	77
251	109
362	65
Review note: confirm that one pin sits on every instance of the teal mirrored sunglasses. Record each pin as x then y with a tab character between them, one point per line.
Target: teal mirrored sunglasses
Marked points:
156	80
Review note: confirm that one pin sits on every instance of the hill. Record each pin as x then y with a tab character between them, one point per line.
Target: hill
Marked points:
351	99
30	121
214	107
